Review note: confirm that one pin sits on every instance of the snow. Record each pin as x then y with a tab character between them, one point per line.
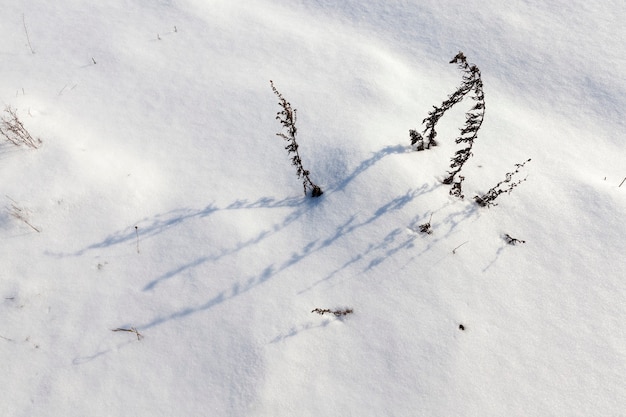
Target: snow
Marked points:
166	203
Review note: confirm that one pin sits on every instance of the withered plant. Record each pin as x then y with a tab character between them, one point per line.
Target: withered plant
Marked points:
14	131
287	117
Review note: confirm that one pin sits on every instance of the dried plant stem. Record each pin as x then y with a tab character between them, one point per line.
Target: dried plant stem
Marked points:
287	118
620	184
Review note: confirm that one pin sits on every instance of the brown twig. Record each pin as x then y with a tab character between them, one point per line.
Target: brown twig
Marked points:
131	330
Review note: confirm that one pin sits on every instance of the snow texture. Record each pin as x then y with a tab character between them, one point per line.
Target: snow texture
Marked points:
161	200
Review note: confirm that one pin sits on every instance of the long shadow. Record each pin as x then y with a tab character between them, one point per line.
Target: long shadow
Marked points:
212	258
238	205
313	246
162	222
368	163
396	203
235	290
394	243
268	202
294	331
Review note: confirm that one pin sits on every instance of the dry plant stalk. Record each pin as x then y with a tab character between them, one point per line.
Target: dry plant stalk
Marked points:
287	117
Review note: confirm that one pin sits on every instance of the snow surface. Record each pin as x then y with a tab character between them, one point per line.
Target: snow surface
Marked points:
166	203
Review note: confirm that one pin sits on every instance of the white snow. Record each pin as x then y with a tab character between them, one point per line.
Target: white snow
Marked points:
166	203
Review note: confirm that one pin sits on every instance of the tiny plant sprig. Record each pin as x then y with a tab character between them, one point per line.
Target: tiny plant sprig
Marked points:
505	186
287	117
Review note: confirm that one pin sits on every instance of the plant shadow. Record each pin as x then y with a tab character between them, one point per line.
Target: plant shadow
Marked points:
162	222
368	163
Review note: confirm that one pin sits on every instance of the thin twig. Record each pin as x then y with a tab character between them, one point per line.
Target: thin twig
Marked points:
454	250
137	234
131	330
620	184
26	30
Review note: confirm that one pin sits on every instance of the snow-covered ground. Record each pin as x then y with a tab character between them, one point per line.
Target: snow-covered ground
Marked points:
161	200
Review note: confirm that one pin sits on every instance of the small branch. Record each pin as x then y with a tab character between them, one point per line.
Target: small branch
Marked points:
454	250
26	30
131	330
137	234
620	184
